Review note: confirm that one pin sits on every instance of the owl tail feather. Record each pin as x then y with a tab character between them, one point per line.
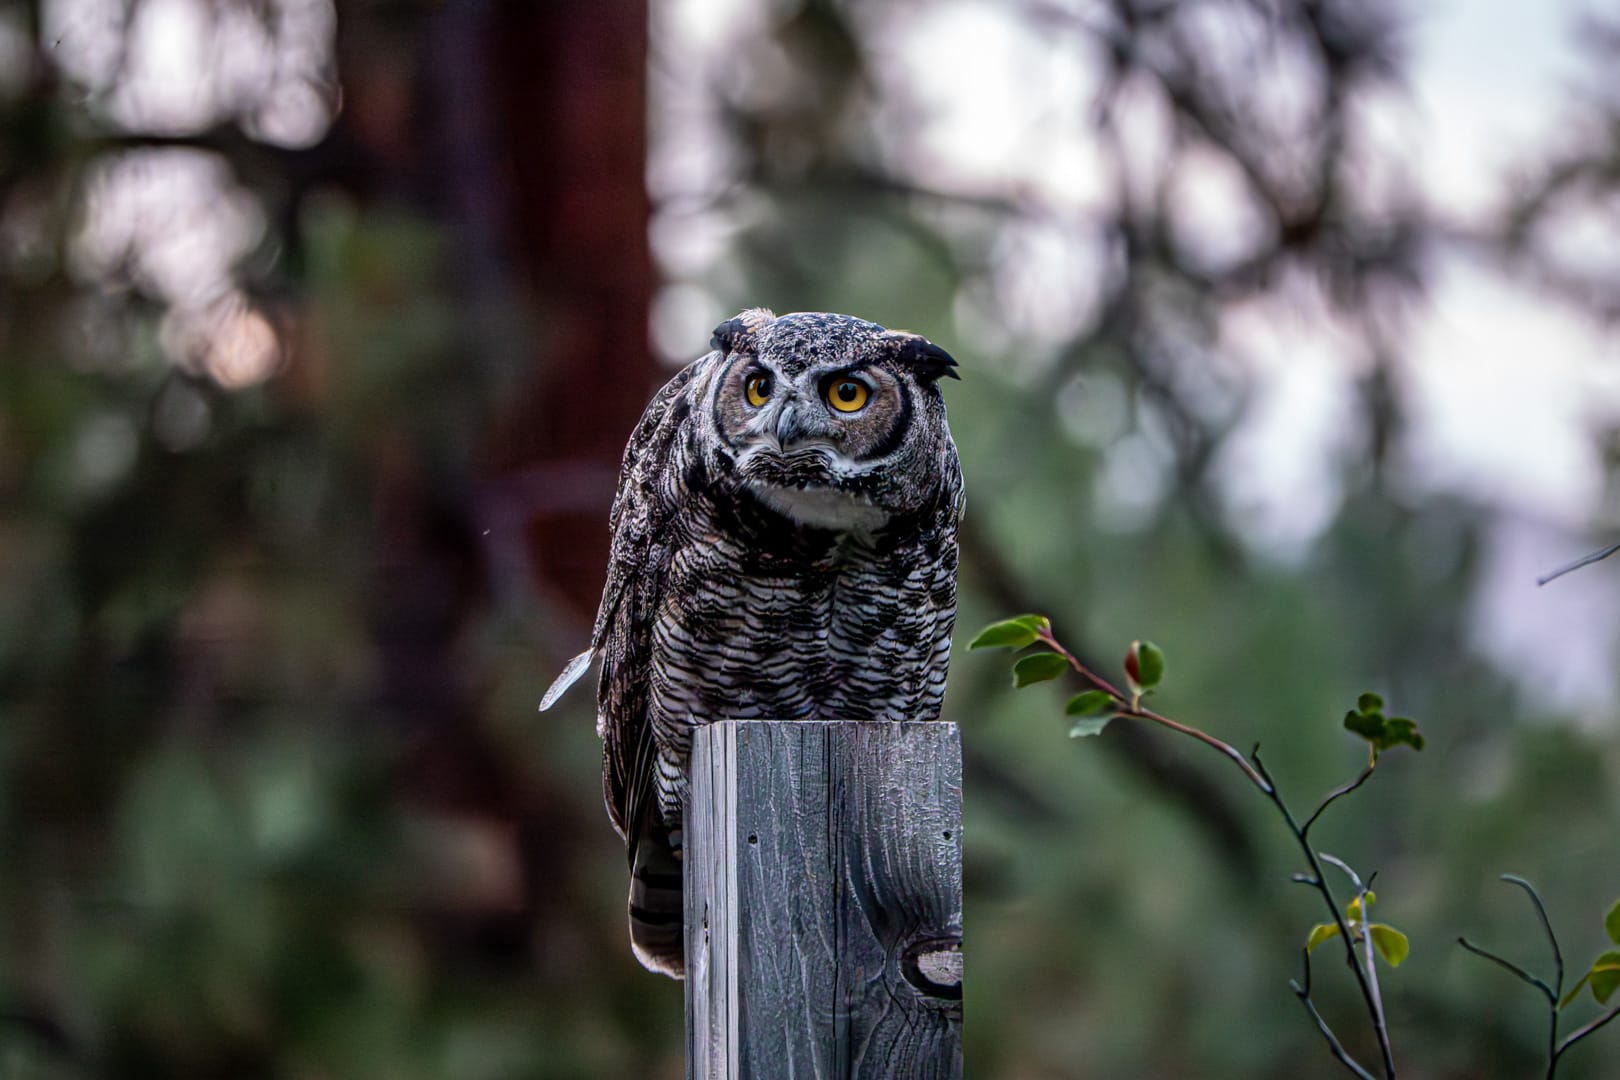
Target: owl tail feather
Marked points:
657	914
570	675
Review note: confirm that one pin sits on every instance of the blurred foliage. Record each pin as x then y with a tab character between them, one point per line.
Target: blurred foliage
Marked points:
1110	930
273	798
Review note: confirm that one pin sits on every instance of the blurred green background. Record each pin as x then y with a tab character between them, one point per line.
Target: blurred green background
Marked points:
1287	333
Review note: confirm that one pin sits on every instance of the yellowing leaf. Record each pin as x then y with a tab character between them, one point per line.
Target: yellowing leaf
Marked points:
1352	910
1320	933
1603	978
1575	991
1390	943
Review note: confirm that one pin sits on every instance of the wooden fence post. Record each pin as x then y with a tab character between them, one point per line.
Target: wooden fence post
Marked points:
823	886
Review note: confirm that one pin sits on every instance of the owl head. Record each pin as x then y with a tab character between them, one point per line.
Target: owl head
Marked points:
832	421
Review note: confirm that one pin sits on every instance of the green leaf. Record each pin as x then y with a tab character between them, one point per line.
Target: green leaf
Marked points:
1575	991
1091	725
1038	667
1369	703
1398	730
1368	727
1320	933
1605	975
1383	732
1144	664
1604	978
1352	910
1010	633
1611	923
1088	702
1390	943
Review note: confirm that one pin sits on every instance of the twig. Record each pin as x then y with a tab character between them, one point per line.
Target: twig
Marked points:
1553	992
1304	995
1546	926
1375	993
1208	804
1339	793
1578	1034
1125	707
1584	560
1533	980
1318	881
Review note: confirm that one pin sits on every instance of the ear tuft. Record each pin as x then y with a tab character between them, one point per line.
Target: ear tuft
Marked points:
736	334
929	361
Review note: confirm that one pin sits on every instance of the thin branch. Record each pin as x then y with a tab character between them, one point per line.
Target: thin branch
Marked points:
1045	635
1209	805
1125	708
1375	993
1369	994
1553	992
1584	560
1344	867
1304	995
1339	793
1580	1033
1546	925
1515	969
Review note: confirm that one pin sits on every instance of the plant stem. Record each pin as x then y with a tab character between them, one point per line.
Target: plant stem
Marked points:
1372	981
1546	926
1256	772
1124	707
1552	993
1332	1040
1577	1035
1318	880
1584	560
1304	995
1340	792
1533	980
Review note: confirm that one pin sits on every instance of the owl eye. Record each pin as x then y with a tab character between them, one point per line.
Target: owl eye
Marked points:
847	395
758	388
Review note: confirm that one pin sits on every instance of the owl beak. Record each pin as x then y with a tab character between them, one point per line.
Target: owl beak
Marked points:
788	428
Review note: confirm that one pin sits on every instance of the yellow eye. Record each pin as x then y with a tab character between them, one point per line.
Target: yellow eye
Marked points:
758	388
847	395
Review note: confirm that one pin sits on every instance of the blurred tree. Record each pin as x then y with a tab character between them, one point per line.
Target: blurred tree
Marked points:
300	415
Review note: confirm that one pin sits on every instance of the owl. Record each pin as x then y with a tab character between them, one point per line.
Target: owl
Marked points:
784	548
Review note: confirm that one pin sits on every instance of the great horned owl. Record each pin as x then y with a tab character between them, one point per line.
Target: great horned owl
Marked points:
784	548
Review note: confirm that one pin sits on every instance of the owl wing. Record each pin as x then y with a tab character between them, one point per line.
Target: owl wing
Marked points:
649	495
942	586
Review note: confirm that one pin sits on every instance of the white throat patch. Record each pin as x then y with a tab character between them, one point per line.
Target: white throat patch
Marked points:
823	508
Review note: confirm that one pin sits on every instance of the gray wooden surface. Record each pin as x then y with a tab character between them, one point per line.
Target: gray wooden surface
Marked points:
823	889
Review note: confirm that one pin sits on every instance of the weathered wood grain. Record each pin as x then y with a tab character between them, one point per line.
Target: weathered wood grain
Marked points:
823	887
